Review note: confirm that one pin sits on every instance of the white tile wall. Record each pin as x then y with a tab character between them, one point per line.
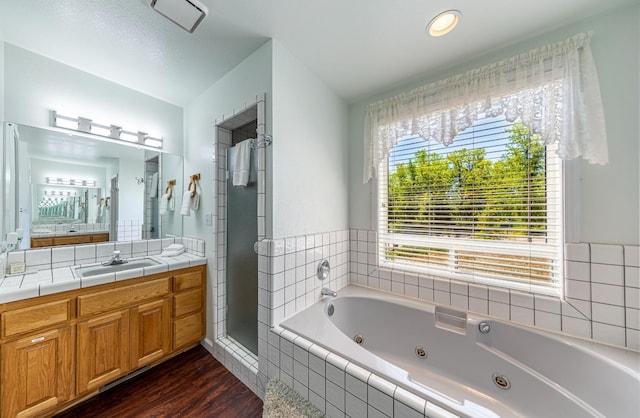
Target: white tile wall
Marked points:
150	167
129	230
65	256
602	290
336	386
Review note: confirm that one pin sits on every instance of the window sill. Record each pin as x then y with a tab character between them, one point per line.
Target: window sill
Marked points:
504	284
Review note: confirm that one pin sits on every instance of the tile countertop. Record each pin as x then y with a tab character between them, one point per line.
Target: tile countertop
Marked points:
67	233
48	281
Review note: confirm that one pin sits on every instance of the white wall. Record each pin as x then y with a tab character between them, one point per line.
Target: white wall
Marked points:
310	174
610	195
1	81
2	133
34	85
241	85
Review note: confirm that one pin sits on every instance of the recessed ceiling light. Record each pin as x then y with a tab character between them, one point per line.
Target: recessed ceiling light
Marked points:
444	23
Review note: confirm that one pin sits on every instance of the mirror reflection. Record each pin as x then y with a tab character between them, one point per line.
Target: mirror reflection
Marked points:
75	188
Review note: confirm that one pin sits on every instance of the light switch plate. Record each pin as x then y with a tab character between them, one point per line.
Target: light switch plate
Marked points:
208	218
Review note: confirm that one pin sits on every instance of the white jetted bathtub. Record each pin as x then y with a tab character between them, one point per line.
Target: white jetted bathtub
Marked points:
473	365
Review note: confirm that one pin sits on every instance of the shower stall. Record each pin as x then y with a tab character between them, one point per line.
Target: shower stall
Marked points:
242	261
238	231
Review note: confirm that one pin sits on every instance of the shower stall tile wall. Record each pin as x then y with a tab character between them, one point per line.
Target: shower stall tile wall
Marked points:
238	359
150	228
129	230
287	283
601	288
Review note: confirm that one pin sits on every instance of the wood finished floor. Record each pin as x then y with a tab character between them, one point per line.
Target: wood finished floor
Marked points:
193	384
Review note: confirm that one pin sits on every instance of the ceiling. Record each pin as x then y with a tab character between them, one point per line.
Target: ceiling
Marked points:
357	47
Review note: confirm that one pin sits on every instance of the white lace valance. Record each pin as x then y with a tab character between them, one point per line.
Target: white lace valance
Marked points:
554	90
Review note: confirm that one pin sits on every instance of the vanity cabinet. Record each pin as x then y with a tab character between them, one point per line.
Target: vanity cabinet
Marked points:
69	239
150	332
58	349
103	350
188	315
37	372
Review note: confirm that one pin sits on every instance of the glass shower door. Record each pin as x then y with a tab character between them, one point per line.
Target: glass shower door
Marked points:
242	261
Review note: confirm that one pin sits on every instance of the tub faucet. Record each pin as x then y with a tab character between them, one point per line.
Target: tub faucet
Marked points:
115	259
328	292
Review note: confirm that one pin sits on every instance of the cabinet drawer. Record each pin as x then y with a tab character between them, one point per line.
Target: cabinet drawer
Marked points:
70	240
188	280
127	295
187	330
41	242
100	237
187	302
35	317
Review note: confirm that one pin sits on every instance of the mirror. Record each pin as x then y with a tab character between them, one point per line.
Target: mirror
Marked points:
61	184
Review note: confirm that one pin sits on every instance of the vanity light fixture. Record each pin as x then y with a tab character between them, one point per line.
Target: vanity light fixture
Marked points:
71	182
444	22
187	14
59	193
87	125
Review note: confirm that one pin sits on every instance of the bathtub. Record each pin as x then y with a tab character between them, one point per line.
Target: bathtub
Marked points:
472	365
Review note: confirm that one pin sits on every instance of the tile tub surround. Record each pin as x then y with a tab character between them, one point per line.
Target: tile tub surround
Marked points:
49	270
336	386
602	291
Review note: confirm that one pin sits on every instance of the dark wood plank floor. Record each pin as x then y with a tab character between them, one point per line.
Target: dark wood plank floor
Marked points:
193	384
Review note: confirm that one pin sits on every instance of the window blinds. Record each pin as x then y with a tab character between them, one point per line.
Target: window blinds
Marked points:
486	208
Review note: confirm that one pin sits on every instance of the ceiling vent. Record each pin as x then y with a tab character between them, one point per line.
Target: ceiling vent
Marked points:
185	13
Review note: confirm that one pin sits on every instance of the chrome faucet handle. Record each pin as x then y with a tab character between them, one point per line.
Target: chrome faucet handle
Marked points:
116	254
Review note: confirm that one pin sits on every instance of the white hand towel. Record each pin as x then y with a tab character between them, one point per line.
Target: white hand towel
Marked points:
171	206
164	203
194	202
154	185
242	163
184	209
172	250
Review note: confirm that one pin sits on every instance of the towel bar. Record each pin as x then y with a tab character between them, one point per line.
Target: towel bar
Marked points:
262	141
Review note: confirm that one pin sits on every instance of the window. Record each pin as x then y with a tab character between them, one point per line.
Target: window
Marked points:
487	208
469	171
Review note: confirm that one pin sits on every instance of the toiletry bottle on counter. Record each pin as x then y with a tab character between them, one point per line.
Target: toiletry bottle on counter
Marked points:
12	241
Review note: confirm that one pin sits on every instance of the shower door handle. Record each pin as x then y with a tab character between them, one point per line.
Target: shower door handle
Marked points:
255	247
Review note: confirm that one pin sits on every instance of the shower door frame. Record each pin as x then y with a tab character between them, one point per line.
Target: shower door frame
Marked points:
222	141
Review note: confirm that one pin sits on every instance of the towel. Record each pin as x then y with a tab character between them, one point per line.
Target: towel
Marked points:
242	163
99	214
154	185
172	250
185	210
171	205
194	202
164	202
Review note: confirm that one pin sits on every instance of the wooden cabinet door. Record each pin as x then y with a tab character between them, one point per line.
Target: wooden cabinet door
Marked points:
37	373
103	350
150	332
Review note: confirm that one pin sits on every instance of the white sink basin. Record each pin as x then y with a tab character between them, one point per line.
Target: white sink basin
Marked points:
96	269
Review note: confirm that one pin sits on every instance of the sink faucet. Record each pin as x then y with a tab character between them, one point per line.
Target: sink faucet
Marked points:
328	292
115	259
